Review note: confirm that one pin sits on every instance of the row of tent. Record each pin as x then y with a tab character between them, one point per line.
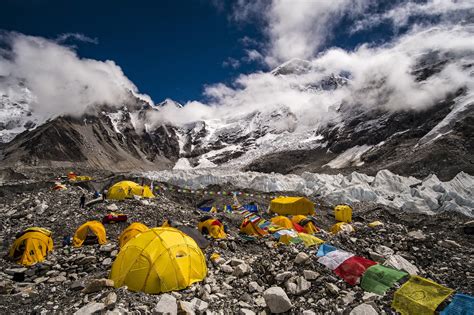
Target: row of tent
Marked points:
416	295
150	260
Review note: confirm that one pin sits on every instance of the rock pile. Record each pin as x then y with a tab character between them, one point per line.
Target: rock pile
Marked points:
250	277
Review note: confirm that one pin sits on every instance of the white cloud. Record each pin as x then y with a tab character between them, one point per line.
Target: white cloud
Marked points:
448	11
296	29
380	77
61	81
76	36
231	62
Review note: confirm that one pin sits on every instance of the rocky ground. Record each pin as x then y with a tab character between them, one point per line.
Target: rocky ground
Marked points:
73	279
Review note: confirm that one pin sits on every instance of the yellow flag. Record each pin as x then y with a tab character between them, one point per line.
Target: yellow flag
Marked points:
419	296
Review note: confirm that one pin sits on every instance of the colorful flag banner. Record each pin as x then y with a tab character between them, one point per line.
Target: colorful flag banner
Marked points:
379	279
419	296
461	304
353	268
333	259
324	249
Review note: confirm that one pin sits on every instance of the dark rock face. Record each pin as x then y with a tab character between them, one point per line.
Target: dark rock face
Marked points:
92	142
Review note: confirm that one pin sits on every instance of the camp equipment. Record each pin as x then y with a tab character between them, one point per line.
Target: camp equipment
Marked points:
84	231
130	232
343	213
306	222
208	209
31	246
461	304
291	205
159	260
342	227
251	207
419	296
375	224
282	222
128	189
195	235
114	217
353	268
252	228
379	279
212	227
59	186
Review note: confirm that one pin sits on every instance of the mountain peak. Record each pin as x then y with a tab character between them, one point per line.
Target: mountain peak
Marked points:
292	66
170	102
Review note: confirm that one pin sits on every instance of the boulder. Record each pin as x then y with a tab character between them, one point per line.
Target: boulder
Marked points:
166	305
310	275
199	305
400	263
277	300
96	285
364	309
301	258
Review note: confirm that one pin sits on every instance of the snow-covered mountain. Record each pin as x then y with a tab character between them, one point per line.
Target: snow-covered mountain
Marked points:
436	139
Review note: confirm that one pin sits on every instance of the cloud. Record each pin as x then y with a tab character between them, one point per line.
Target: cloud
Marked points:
380	78
443	11
295	29
61	81
231	62
76	36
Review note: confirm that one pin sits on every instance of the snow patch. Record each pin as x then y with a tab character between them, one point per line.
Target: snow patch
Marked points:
350	157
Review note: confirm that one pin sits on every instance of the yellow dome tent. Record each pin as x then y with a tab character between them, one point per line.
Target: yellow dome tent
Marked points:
31	246
95	227
306	223
128	189
282	221
159	260
131	231
291	205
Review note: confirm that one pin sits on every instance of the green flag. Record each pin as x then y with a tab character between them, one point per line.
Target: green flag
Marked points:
378	279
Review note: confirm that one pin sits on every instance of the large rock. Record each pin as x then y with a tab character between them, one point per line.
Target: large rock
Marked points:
301	258
400	263
96	285
90	308
310	275
185	308
277	300
364	309
241	270
166	305
199	305
302	285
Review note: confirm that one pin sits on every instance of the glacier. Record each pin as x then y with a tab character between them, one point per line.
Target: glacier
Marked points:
428	196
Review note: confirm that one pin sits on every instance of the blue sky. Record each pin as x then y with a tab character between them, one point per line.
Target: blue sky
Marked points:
167	48
176	48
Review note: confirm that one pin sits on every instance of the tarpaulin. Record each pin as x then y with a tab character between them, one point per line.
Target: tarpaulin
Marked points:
353	268
419	296
324	249
461	304
333	259
378	279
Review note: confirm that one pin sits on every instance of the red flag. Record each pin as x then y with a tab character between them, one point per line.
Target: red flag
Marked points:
353	268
